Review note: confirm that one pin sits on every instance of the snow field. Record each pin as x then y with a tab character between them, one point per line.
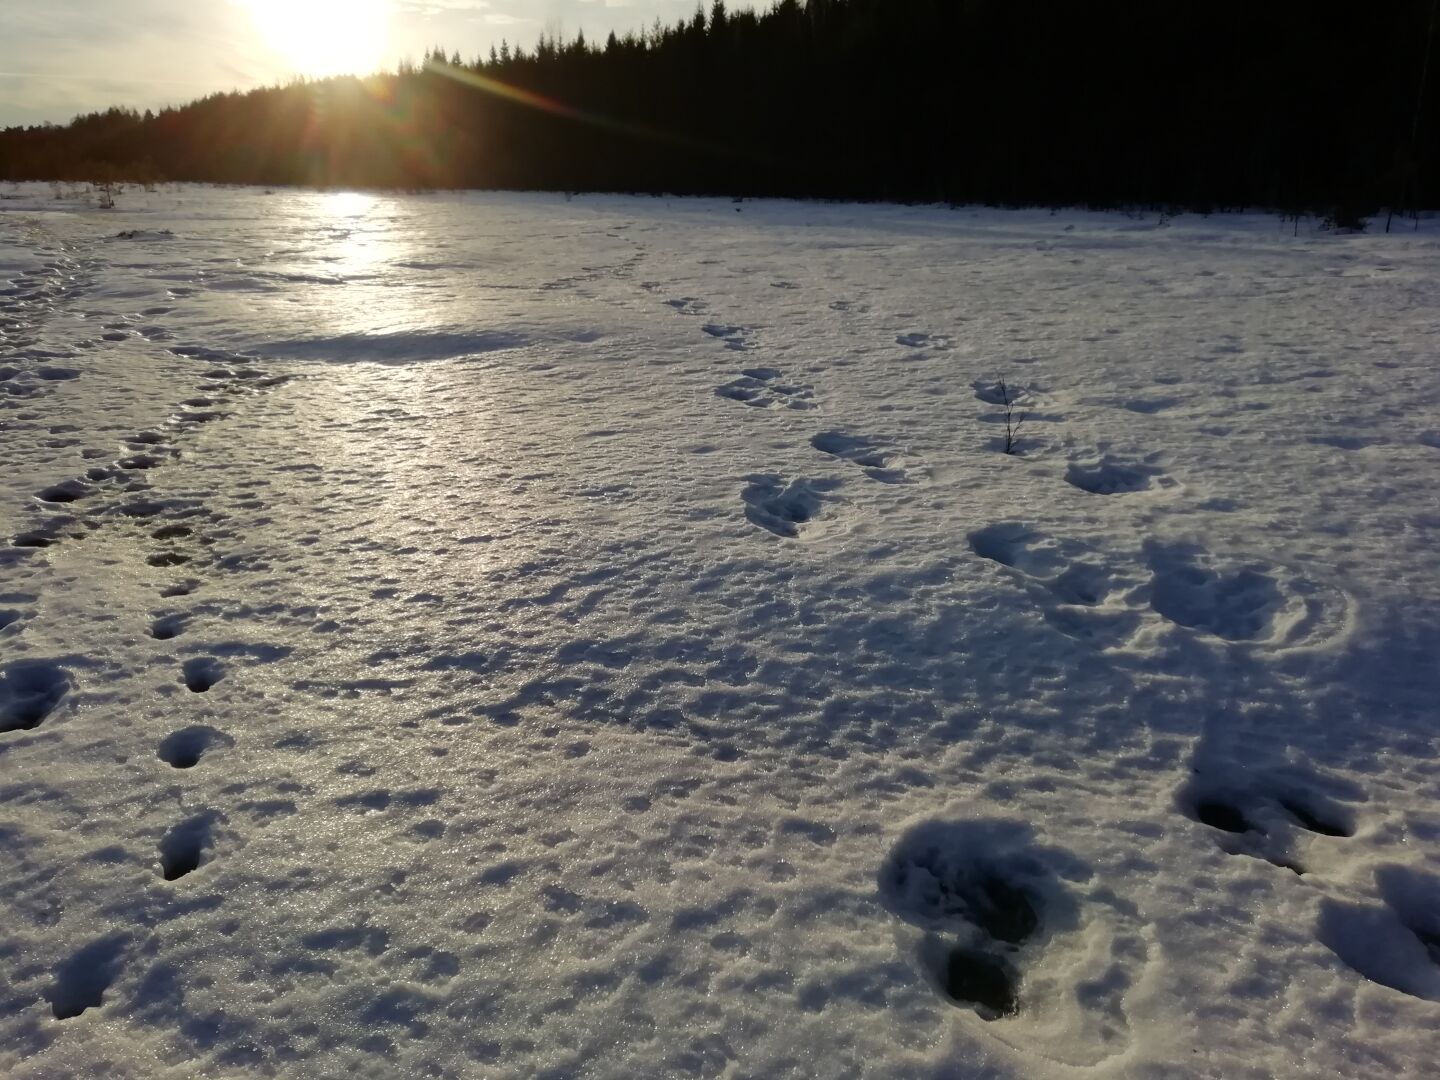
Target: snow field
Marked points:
486	635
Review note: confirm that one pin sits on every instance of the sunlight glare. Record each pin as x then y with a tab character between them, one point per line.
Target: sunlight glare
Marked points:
324	37
347	203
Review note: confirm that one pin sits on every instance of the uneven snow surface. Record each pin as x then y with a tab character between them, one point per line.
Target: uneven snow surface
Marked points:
497	636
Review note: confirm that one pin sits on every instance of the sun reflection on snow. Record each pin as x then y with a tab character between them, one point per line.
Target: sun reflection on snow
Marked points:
347	203
362	283
360	243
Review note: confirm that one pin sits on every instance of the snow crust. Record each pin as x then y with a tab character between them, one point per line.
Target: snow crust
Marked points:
497	635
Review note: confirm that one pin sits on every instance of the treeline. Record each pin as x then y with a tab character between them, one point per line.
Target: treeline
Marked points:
1187	103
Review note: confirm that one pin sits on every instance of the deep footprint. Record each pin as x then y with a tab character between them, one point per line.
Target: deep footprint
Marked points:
1311	821
167	627
202	673
183	749
980	884
68	492
1223	816
81	981
1260	810
183	848
29	692
1395	943
977	978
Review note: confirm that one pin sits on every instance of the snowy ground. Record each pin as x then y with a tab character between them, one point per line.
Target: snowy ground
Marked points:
486	635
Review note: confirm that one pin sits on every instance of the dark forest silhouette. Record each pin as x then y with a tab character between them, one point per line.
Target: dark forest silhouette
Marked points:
1208	104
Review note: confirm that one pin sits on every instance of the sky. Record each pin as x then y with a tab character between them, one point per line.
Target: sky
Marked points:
59	58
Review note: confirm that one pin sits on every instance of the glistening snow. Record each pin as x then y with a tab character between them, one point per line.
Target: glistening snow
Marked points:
488	635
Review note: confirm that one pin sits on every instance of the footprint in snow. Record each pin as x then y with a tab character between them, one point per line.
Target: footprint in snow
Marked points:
30	690
993	919
1395	943
140	462
762	388
183	749
789	510
67	492
991	392
1116	476
874	458
167	627
1094	594
57	374
923	341
186	846
82	980
1259	814
734	337
44	537
1259	603
688	305
201	673
1150	406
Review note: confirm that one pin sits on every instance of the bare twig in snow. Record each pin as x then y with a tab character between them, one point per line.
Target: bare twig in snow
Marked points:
1013	420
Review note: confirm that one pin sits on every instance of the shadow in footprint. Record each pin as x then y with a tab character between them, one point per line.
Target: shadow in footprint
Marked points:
983	892
1238	605
201	673
1219	814
761	388
1083	584
1004	543
34	538
993	393
29	692
1315	819
1396	944
68	492
1415	898
784	509
183	749
869	455
977	978
1076	575
168	626
183	848
1110	476
81	981
733	336
1262	810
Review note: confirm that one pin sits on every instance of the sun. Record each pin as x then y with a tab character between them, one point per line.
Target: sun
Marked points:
324	37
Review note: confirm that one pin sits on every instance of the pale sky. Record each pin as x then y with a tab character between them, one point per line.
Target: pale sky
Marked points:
63	57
